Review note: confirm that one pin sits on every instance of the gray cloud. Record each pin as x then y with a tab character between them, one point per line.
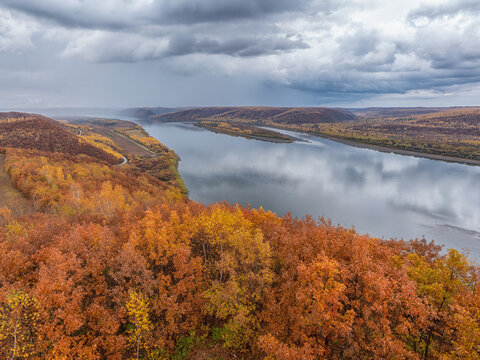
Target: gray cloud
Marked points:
447	9
120	14
15	33
113	47
131	31
191	11
182	45
361	42
317	50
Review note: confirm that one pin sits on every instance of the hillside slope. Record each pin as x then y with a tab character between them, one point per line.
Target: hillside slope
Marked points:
36	132
392	112
259	115
449	132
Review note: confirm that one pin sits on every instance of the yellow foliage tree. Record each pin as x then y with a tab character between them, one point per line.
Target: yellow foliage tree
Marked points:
140	325
111	200
445	284
18	322
238	263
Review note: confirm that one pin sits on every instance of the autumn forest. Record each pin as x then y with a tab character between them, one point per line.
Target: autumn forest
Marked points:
106	260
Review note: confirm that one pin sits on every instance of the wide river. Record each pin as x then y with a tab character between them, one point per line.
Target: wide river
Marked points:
382	194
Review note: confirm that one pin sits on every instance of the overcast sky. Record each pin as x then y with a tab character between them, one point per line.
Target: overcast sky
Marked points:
123	53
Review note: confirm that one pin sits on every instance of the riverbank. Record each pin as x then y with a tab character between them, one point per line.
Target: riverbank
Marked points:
449	134
386	149
403	152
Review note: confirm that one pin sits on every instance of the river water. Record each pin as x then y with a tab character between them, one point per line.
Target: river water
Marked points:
382	194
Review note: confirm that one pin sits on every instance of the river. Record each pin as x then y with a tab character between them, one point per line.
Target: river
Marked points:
382	194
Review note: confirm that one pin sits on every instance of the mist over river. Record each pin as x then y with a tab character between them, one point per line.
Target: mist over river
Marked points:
382	194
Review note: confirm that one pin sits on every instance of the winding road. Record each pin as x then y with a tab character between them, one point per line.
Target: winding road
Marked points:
125	161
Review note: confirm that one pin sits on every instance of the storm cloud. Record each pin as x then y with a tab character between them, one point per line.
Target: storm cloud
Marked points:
274	52
122	14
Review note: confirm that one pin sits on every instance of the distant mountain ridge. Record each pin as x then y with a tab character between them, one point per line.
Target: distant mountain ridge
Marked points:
260	114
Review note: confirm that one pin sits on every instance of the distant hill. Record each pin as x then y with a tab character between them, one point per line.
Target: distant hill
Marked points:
37	132
452	133
391	112
250	114
60	112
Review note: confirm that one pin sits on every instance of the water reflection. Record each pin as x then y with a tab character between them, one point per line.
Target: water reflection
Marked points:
383	194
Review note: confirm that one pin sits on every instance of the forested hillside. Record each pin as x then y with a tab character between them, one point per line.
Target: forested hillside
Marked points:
40	133
116	264
259	115
451	132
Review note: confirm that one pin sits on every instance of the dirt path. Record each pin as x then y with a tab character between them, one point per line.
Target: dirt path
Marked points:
9	195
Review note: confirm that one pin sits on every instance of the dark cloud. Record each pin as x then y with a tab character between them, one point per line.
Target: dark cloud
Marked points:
132	31
113	47
114	15
192	11
357	85
72	13
188	44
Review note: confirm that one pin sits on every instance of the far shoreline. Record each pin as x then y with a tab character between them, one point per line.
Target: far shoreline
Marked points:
390	150
357	144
